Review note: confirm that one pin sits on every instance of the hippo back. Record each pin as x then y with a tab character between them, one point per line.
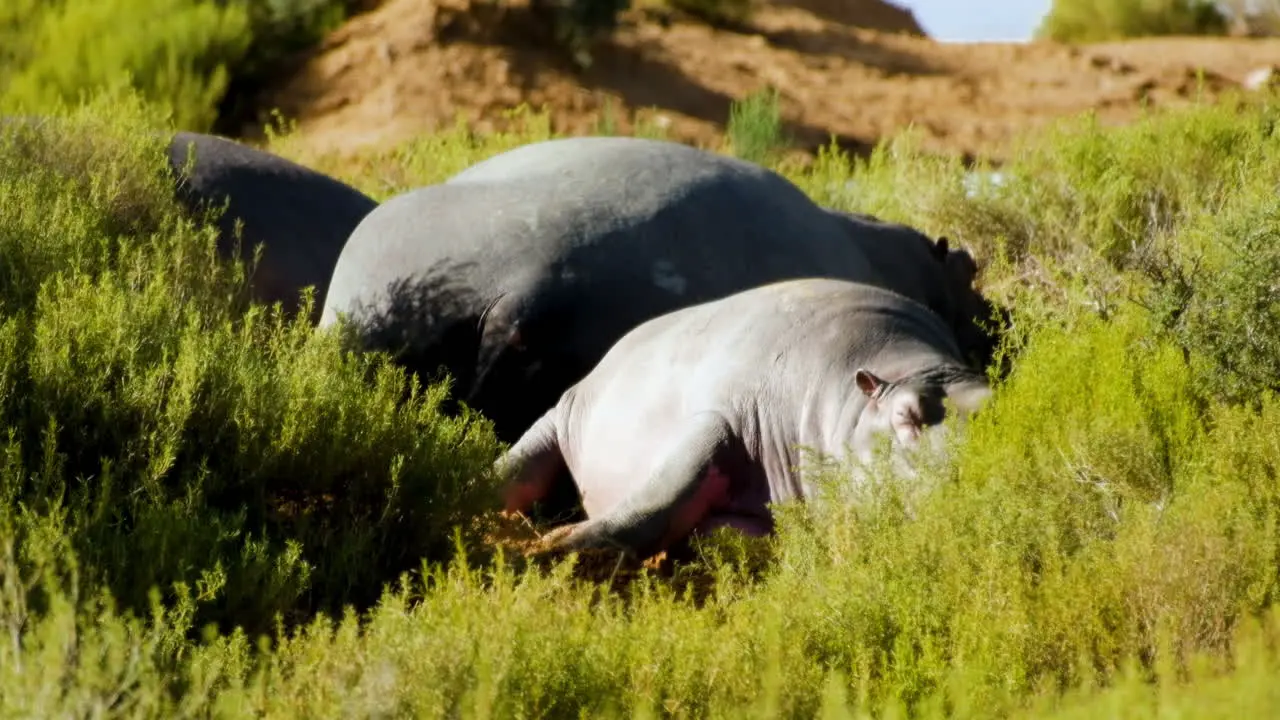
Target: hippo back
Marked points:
303	217
620	219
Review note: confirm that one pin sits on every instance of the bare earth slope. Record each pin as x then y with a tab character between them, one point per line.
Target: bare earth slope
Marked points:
413	65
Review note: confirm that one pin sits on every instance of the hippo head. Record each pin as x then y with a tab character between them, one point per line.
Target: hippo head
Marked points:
970	310
522	362
911	410
934	273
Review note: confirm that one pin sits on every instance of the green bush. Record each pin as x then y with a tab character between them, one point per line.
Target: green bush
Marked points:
1086	216
177	52
577	25
171	436
182	55
1218	294
1094	528
17	35
1105	534
1098	20
1253	18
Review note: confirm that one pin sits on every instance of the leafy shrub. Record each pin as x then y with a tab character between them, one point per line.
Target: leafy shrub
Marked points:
1078	192
182	55
1255	18
1097	20
1092	526
382	173
1087	216
1220	301
279	30
578	24
17	35
177	52
283	27
174	438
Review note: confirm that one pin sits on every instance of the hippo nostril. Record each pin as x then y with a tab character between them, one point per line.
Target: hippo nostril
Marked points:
909	435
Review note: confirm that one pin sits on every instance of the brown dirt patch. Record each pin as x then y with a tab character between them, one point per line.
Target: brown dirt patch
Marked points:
525	542
414	65
520	538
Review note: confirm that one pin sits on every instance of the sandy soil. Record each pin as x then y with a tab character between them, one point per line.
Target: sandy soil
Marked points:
414	65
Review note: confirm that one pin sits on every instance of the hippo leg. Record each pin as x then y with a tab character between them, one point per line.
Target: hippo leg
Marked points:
684	487
532	465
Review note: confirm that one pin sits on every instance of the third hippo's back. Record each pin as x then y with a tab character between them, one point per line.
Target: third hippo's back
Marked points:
684	220
625	214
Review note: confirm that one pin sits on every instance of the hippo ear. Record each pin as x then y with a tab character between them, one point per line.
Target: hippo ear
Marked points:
961	265
868	382
941	248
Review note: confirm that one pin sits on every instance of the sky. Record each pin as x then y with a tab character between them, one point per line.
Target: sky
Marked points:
970	20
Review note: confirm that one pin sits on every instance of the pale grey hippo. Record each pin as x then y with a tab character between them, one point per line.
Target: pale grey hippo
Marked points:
519	273
301	217
697	419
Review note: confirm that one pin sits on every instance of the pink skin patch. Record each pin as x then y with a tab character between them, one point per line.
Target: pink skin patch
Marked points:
695	514
519	496
712	493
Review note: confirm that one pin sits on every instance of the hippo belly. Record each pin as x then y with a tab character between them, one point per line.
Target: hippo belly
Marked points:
626	416
634	439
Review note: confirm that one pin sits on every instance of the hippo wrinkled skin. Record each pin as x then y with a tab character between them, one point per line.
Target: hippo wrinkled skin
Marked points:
300	216
519	273
696	419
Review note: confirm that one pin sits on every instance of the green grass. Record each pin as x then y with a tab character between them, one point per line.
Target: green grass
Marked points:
211	511
754	130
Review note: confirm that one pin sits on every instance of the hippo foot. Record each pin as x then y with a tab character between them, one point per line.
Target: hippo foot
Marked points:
556	538
575	537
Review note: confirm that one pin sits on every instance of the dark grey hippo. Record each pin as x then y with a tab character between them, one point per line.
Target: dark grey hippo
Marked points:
519	273
697	419
302	217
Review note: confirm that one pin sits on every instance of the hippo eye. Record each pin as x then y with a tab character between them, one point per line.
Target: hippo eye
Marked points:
910	416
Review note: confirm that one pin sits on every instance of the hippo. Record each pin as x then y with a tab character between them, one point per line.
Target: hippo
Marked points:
517	274
302	217
696	419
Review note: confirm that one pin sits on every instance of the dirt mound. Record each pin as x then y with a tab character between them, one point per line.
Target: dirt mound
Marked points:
867	14
413	65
